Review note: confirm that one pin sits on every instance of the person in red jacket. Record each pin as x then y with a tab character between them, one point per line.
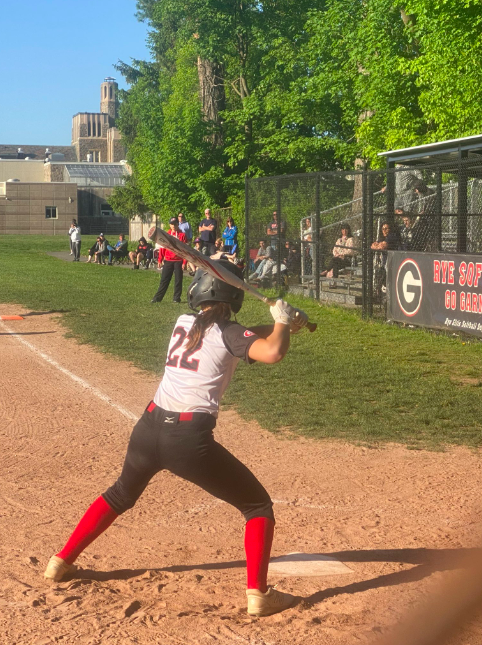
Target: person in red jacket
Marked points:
171	263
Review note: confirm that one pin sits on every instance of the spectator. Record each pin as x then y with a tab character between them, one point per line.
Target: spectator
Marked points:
218	249
275	230
265	267
408	232
92	250
100	250
75	240
207	231
286	251
388	240
308	231
307	237
117	251
264	252
230	237
220	254
185	227
343	251
293	261
140	253
171	263
198	246
71	230
425	195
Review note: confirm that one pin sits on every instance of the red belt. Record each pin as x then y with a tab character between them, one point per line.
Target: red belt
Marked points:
183	416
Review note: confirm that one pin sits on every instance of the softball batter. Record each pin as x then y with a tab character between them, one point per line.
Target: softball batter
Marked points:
175	431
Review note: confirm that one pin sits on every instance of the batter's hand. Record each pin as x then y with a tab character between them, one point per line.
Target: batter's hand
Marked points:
282	312
298	322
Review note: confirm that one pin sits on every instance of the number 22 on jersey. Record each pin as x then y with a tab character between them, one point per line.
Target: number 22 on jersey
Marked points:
183	359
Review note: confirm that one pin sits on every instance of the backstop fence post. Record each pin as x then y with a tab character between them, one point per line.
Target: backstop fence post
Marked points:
246	227
462	205
315	225
438	209
364	246
279	234
369	201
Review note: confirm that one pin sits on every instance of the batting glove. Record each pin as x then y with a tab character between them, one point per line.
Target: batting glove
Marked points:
282	312
298	322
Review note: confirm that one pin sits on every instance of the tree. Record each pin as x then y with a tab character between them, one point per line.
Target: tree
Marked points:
278	87
127	199
191	138
448	70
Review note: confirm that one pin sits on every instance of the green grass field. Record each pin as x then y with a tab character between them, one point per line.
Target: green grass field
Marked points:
351	379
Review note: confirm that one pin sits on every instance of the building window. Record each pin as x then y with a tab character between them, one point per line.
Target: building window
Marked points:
93	129
51	212
94	155
106	210
110	91
88	128
105	91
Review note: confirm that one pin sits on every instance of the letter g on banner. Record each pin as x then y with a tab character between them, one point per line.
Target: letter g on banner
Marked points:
409	287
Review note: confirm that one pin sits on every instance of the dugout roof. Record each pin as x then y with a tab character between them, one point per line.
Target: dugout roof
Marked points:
439	151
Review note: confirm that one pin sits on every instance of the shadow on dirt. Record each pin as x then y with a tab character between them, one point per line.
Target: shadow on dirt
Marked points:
425	561
126	574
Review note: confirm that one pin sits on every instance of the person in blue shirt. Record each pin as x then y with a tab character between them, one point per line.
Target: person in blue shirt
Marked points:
117	251
230	236
185	227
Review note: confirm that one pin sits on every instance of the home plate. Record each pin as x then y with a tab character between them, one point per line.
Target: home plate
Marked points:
307	564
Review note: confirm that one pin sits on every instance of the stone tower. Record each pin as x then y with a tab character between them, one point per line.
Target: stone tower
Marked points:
94	135
108	99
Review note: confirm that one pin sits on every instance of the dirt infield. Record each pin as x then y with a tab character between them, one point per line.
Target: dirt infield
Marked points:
171	571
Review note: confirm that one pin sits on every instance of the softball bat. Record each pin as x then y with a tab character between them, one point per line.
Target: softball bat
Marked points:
215	269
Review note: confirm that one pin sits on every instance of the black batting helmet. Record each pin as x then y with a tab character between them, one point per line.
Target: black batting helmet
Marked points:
206	288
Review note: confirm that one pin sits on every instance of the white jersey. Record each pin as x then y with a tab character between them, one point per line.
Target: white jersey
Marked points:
195	380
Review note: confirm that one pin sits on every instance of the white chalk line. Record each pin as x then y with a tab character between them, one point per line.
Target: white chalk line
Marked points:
80	381
126	413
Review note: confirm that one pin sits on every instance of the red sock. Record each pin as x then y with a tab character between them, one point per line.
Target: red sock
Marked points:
97	518
258	538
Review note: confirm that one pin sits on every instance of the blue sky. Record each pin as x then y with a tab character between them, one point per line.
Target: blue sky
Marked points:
55	54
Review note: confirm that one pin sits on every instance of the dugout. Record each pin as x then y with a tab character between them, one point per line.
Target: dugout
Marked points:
438	285
453	155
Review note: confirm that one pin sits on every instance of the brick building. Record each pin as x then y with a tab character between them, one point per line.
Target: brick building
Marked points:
42	188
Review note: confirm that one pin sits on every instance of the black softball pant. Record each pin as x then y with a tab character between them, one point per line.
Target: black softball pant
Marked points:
168	268
162	440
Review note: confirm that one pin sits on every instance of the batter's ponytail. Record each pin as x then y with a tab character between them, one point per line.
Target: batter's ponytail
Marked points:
205	319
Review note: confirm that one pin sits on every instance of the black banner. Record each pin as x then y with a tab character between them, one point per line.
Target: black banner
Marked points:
442	290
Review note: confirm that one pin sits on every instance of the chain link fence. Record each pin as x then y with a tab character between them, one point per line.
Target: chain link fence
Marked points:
326	235
292	221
